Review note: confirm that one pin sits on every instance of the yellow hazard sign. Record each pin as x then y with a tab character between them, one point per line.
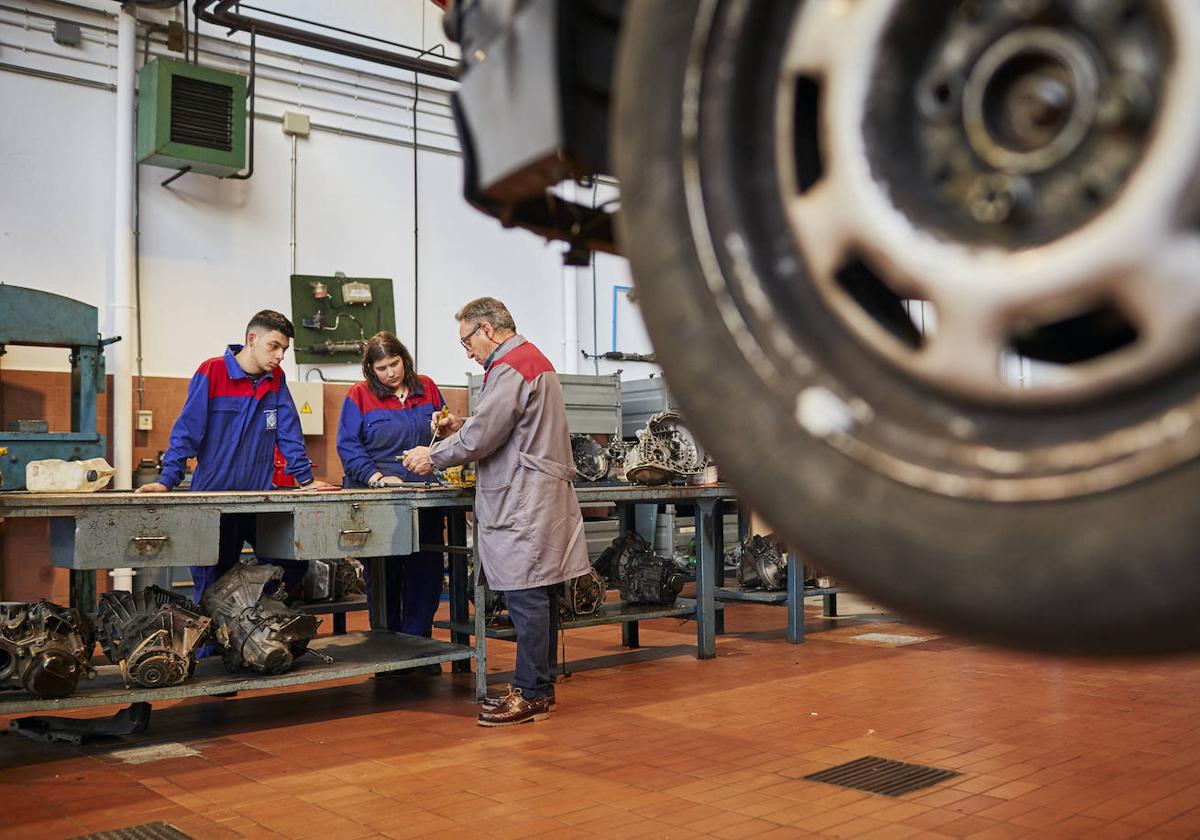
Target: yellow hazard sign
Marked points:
306	409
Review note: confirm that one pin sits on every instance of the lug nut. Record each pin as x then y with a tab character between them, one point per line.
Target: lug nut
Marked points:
995	198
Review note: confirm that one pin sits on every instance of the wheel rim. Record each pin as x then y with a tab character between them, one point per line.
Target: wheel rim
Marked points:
1089	283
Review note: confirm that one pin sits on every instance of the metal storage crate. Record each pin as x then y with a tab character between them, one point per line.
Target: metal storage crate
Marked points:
593	402
641	399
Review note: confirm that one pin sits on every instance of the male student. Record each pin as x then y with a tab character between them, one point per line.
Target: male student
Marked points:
238	410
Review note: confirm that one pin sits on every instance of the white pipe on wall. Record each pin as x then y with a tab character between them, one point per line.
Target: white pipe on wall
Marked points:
121	308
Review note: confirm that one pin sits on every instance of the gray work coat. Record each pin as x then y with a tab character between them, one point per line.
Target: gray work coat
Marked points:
530	527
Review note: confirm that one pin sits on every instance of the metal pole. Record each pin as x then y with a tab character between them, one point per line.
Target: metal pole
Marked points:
121	304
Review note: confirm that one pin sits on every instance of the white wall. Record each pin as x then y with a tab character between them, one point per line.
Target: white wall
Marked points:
214	251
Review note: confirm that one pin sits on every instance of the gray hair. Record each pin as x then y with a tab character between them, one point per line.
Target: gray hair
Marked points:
487	309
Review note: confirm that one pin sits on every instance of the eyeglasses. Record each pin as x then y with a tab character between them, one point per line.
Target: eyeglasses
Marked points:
465	341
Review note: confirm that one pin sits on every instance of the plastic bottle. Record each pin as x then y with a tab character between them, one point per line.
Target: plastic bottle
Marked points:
57	476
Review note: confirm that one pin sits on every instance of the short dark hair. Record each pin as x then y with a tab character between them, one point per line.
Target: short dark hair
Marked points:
384	345
269	320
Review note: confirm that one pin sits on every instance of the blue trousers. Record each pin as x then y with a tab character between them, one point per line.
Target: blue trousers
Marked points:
534	614
413	589
236	530
414	582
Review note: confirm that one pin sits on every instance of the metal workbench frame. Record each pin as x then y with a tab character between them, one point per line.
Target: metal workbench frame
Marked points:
792	598
384	654
466	623
354	654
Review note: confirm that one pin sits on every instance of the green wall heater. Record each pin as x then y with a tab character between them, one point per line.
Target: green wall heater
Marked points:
191	116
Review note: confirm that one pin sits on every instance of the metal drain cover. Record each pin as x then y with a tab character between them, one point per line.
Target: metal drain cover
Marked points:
146	831
881	775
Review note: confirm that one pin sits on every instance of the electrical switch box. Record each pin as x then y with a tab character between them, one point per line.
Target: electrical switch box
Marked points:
310	405
145	421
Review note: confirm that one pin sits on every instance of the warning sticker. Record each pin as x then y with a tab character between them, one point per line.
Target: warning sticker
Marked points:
306	409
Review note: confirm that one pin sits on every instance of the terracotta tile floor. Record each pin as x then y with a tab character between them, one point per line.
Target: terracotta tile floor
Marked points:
655	744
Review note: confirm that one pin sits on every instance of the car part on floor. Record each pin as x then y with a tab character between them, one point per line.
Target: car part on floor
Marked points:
45	648
132	720
591	459
797	178
254	628
665	451
761	563
151	635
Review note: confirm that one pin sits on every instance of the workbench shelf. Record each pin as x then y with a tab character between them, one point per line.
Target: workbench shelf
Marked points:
354	655
792	597
615	613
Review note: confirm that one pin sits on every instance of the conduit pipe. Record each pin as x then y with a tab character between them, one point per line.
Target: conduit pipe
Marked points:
121	307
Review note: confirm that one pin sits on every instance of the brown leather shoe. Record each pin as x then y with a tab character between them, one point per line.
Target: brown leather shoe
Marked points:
492	703
515	709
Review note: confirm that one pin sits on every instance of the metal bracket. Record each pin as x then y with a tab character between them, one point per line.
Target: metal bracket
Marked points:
133	720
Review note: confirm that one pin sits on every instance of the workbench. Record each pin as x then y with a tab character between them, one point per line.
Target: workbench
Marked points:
466	624
112	529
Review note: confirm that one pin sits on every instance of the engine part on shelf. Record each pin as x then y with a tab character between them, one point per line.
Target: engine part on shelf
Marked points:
256	629
612	560
650	579
642	576
333	580
761	563
665	451
151	635
45	648
577	597
493	602
581	596
591	459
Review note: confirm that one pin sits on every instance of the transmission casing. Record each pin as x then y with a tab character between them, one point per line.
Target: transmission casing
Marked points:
151	635
45	648
253	626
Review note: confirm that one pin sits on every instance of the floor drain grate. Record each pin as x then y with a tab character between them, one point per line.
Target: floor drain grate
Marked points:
881	775
146	831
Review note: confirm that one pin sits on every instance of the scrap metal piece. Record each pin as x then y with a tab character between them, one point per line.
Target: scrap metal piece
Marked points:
255	629
151	635
761	563
132	720
45	648
665	451
592	460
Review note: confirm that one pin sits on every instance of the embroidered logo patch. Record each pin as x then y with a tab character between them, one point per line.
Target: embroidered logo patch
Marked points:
272	422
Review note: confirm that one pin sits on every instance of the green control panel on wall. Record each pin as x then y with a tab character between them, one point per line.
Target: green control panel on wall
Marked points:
334	316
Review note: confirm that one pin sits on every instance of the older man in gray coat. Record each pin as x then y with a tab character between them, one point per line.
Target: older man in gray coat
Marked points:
530	527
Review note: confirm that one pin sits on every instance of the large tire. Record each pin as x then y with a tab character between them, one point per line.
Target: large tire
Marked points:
1094	571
